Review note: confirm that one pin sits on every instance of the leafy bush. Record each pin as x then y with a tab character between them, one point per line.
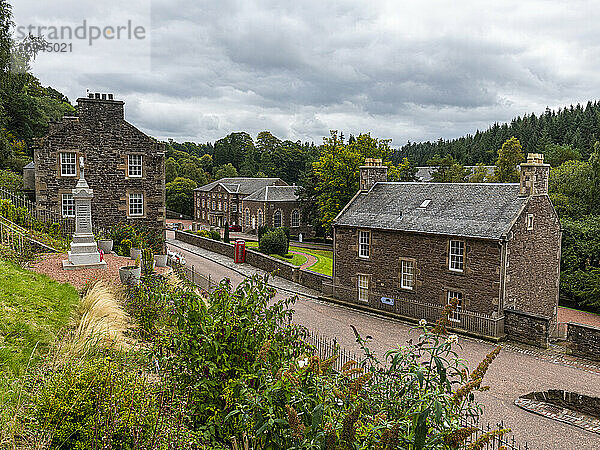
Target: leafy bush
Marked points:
217	342
99	402
147	262
147	305
215	235
414	401
140	236
274	242
262	230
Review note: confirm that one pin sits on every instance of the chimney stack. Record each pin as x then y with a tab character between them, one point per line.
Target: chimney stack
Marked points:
372	172
98	107
534	175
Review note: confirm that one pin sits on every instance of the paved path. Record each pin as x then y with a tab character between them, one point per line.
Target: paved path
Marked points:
516	371
310	259
572	315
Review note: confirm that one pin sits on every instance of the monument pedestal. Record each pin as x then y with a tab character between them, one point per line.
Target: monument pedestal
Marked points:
84	249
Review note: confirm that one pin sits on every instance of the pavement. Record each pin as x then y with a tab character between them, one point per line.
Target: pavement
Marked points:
515	372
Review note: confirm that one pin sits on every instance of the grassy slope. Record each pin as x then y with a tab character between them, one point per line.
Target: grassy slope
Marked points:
324	262
33	308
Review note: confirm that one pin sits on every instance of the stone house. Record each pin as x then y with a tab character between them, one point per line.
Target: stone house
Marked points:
124	166
249	203
410	248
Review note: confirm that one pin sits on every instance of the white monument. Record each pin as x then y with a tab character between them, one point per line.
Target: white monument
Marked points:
84	250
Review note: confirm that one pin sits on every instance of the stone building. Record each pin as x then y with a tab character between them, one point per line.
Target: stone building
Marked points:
274	206
412	247
124	166
249	203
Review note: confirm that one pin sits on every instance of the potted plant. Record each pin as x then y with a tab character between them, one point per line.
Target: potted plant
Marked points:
136	251
147	261
160	260
105	243
131	274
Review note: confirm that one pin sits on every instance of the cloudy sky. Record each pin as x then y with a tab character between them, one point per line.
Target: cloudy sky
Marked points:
405	70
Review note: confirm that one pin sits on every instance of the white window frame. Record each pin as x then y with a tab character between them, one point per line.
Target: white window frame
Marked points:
219	205
454	316
135	166
247	218
203	203
529	222
364	244
225	206
407	274
214	205
456	260
135	203
280	219
64	164
234	207
67	201
295	218
363	287
203	215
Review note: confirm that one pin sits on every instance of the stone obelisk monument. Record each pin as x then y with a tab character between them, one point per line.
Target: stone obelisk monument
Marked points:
84	250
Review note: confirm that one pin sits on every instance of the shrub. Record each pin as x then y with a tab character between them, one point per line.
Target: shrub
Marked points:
262	230
217	342
140	236
215	235
226	233
147	262
274	242
104	402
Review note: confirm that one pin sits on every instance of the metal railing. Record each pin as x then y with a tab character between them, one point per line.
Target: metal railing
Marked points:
471	321
66	225
193	276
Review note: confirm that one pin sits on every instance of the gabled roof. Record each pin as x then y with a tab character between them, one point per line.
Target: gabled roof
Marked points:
482	210
274	194
240	185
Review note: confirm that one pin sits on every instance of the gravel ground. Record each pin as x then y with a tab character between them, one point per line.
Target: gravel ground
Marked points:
51	264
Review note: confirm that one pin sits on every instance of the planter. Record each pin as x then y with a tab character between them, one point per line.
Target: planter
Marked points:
106	245
130	274
160	260
135	253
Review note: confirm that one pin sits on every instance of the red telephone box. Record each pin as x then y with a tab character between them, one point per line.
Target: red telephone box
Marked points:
240	251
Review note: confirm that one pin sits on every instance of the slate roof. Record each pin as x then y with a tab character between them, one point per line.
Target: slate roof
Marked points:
274	194
240	185
482	210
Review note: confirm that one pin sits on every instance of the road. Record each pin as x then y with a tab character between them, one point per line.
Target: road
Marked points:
515	372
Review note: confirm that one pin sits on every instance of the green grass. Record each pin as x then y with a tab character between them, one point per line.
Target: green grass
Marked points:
33	309
324	264
292	258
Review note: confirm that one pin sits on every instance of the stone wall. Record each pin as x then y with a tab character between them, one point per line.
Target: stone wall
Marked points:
533	261
583	341
219	247
479	282
570	400
104	139
526	328
257	259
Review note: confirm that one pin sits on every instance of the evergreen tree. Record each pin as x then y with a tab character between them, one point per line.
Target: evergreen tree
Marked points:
509	157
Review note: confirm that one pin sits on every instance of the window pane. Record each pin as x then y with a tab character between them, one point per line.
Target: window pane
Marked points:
364	238
68	165
68	205
363	288
457	249
408	271
136	204
135	166
455	315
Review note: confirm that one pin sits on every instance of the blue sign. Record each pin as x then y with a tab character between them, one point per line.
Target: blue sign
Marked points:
387	301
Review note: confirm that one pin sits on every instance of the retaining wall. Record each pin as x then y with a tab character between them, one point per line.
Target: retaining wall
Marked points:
526	328
583	340
257	259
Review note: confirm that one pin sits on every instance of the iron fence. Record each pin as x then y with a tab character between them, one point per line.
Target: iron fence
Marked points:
192	275
66	226
508	440
471	321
